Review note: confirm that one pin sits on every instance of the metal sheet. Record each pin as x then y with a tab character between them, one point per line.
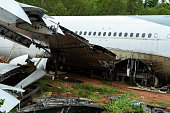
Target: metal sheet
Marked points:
2	86
31	78
10	101
27	7
19	60
41	62
10	11
49	22
4	68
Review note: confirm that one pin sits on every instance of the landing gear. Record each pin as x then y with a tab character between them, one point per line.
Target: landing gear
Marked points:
135	71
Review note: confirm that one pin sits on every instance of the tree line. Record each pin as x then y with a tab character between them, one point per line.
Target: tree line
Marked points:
101	7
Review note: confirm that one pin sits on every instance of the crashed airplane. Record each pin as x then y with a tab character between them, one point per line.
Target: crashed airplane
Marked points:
140	44
118	47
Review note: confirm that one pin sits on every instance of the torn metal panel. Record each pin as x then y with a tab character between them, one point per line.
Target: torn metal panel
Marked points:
14	36
40	63
57	104
7	70
76	51
35	27
31	78
19	60
4	68
10	101
53	25
6	87
35	14
11	12
36	10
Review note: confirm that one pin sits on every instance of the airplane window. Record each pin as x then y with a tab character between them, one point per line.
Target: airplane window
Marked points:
80	32
99	33
94	33
120	34
114	34
126	34
109	34
131	34
85	32
156	35
143	35
89	33
149	35
104	34
76	32
137	34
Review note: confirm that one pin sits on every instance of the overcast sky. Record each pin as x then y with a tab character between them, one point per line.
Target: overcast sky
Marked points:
161	0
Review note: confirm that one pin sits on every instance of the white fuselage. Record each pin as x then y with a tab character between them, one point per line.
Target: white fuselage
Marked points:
121	32
11	49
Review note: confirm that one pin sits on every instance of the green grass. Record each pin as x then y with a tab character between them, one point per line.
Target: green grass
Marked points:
124	104
129	93
92	92
45	87
82	90
62	89
102	90
105	82
160	103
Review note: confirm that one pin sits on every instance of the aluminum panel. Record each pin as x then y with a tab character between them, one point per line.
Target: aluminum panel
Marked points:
4	68
10	101
11	11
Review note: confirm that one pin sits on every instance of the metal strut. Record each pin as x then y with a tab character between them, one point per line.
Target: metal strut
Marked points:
10	53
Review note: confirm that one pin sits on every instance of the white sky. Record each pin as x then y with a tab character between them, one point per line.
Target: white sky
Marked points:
161	0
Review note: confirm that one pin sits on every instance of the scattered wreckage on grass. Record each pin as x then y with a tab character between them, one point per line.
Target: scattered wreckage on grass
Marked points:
32	32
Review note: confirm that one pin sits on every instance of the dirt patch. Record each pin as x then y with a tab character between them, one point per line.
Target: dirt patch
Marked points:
143	96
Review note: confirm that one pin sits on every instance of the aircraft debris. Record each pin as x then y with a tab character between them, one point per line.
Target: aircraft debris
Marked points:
13	14
165	88
9	100
31	78
8	70
151	89
59	104
19	60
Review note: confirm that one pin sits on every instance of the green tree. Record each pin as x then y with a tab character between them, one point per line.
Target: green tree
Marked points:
150	3
111	7
135	7
101	7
